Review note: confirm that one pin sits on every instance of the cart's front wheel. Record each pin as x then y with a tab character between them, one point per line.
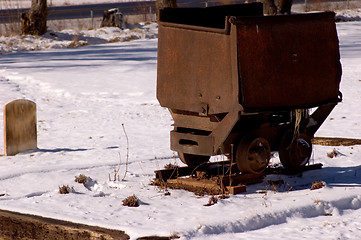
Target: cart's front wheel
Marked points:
193	161
253	154
295	151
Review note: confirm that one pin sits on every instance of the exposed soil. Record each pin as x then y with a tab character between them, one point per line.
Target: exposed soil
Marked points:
16	226
327	141
22	226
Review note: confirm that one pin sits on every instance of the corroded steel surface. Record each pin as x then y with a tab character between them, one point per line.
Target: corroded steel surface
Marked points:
194	70
228	72
197	69
288	61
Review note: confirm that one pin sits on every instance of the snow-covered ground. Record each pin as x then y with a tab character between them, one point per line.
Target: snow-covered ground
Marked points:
85	94
71	38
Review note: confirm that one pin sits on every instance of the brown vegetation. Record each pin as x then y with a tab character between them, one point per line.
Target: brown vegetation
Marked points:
131	201
81	179
65	189
317	185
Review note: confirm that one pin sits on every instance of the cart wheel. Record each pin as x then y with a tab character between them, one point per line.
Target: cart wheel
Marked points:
253	154
193	161
295	152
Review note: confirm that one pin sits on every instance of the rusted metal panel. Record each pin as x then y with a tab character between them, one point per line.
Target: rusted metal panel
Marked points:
195	58
192	144
194	70
288	61
195	122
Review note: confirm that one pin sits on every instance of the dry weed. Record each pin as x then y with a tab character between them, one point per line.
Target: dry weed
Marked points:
170	166
334	153
276	184
131	201
81	179
223	196
65	189
76	43
117	169
212	200
317	185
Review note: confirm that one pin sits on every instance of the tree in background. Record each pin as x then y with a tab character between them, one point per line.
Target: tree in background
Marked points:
34	21
160	4
271	7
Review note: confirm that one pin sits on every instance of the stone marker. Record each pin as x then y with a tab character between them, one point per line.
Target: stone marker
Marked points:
20	132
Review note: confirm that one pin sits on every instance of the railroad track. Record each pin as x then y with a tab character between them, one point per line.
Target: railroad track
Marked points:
224	177
217	177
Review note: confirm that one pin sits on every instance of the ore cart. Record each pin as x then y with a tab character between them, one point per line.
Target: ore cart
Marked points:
243	85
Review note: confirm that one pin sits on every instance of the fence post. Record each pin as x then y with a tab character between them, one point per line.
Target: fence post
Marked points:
92	17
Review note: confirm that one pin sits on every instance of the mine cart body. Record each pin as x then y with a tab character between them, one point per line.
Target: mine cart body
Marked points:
237	82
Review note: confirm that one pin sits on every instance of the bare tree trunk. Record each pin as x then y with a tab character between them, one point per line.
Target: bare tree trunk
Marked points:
274	7
34	21
284	6
113	18
269	7
160	4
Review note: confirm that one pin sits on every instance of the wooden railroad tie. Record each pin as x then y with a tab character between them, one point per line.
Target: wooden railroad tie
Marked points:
215	178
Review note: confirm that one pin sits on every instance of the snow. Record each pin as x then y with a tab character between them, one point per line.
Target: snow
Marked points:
70	38
85	95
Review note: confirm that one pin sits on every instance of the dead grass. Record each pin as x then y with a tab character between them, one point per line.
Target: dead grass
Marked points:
278	186
117	168
65	189
334	153
212	200
76	43
317	185
81	179
131	201
170	166
160	183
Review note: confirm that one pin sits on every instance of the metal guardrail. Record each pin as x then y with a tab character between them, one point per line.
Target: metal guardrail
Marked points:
82	11
139	7
96	10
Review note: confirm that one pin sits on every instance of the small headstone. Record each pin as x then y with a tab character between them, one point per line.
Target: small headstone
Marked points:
20	133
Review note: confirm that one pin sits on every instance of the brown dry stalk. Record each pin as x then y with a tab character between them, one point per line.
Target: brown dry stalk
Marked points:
126	163
81	179
131	201
317	185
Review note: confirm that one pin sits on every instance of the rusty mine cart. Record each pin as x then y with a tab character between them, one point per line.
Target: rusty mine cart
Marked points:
241	84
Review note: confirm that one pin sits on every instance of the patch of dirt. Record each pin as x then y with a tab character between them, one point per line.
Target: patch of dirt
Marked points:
22	226
326	141
158	238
